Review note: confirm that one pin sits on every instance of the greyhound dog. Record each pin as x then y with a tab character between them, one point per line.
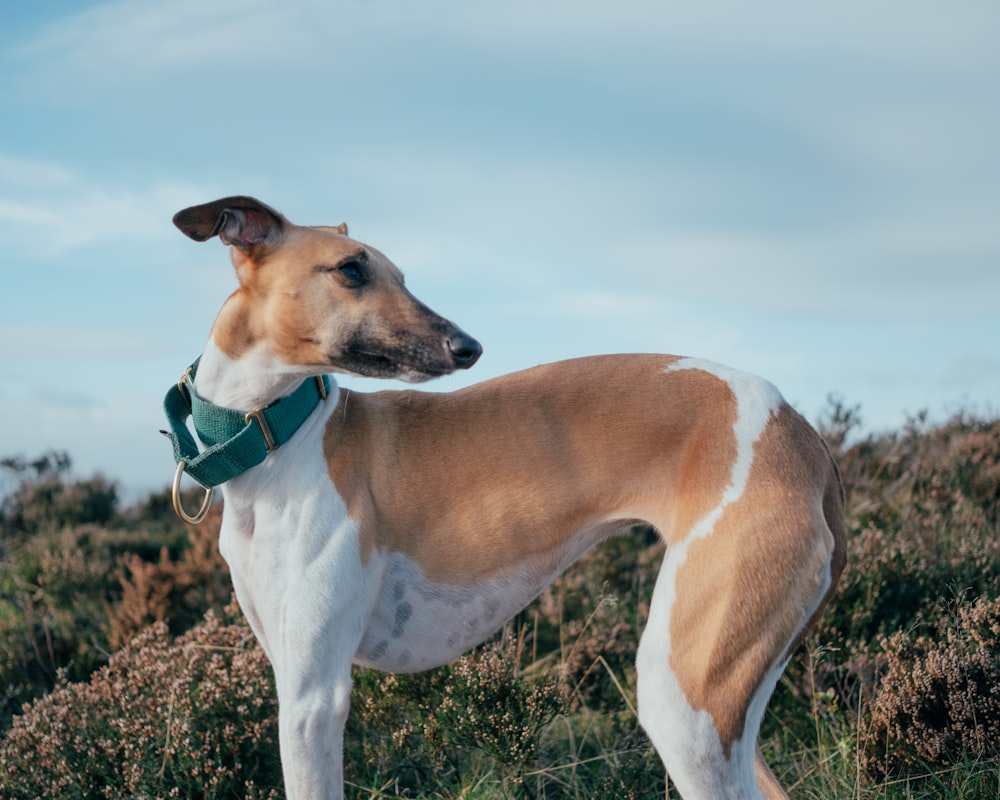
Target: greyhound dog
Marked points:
396	530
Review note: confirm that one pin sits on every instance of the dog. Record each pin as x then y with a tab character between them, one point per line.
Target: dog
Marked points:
396	530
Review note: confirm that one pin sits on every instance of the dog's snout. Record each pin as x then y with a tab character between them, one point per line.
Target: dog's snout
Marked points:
465	350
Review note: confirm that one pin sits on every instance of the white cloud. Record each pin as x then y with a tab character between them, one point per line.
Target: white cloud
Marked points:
40	342
27	172
202	49
22	215
845	275
48	210
128	42
890	31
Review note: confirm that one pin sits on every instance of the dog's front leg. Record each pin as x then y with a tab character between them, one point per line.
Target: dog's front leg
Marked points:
318	638
311	720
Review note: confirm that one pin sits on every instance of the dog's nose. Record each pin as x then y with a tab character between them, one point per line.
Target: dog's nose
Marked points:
465	350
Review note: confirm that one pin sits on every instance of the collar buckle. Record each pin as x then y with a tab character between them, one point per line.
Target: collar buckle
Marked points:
258	414
184	384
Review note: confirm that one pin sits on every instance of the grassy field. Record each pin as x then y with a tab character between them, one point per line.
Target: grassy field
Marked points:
126	670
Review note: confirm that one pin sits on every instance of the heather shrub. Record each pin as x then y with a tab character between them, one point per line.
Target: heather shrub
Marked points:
938	701
923	514
599	658
435	728
177	588
548	712
43	499
53	609
590	620
72	593
191	718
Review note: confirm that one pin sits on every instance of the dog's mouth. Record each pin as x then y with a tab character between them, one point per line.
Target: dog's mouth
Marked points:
408	358
378	365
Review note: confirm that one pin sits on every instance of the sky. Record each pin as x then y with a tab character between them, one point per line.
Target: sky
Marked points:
809	192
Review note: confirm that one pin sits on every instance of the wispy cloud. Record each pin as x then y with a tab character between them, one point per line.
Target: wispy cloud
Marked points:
895	273
105	45
27	172
111	44
43	342
48	210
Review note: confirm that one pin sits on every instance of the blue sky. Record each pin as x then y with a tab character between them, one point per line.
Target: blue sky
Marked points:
806	191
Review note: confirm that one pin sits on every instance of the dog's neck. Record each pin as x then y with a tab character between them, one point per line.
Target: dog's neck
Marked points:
238	368
255	379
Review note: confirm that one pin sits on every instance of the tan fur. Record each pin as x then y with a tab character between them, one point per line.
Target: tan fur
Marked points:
423	475
736	609
768	783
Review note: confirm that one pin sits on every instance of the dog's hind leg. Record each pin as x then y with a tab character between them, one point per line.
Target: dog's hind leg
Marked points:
725	615
768	783
688	736
739	586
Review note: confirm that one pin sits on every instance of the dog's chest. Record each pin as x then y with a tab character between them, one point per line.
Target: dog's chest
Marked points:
417	624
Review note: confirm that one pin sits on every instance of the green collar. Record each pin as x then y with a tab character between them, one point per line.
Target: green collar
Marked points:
235	440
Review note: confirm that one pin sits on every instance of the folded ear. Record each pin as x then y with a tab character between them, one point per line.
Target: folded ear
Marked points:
240	221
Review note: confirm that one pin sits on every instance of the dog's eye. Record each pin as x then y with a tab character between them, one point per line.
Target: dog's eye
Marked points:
353	273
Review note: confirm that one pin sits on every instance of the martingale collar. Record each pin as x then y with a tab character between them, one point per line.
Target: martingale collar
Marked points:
235	440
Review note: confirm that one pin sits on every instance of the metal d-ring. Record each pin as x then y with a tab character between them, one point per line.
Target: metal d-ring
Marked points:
176	497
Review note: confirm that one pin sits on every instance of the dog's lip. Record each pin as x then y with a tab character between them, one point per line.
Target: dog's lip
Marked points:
413	375
386	367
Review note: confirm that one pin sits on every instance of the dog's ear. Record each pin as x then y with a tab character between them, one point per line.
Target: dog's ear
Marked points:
340	229
243	222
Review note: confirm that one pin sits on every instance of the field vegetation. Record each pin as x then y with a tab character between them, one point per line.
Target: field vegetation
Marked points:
126	670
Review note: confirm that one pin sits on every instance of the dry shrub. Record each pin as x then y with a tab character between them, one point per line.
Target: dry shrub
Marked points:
192	718
44	499
68	597
923	524
488	703
196	718
590	620
56	588
431	728
177	589
599	657
938	701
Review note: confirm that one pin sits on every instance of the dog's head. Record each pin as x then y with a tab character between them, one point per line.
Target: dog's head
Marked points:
322	301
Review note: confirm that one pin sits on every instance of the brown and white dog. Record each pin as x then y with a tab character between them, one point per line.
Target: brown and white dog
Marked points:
396	530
